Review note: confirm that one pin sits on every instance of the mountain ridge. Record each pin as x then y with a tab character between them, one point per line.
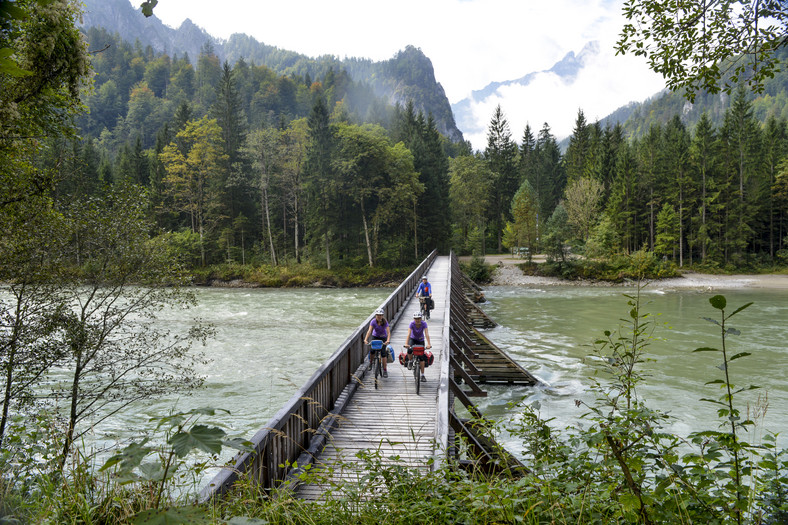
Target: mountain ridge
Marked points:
391	79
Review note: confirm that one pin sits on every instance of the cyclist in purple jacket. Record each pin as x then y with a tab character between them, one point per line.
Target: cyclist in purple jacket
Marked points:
380	330
418	333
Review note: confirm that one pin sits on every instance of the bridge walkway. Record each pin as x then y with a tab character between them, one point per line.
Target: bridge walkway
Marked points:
392	421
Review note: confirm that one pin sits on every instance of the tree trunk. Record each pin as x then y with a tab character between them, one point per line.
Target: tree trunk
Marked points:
72	417
295	227
202	247
268	226
366	233
328	253
703	211
415	232
650	218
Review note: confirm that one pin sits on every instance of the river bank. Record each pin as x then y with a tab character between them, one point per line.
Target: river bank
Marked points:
508	274
297	276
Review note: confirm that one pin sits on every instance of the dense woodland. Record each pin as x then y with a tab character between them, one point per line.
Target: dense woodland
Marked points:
241	164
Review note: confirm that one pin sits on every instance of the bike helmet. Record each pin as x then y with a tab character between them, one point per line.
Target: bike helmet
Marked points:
379	311
424	277
417	315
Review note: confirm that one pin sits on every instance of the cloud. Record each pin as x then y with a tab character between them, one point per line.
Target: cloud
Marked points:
470	42
606	83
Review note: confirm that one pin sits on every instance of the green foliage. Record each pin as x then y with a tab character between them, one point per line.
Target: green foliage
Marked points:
478	270
639	265
181	437
706	47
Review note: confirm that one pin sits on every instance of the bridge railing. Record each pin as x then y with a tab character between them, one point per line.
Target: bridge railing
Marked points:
442	426
290	431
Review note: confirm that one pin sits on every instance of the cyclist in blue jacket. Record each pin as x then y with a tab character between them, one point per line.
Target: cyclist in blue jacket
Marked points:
424	292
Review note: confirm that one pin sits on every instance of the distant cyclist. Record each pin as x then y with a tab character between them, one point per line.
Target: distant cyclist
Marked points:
424	291
380	330
417	335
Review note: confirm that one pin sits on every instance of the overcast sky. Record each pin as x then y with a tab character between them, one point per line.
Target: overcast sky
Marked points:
470	43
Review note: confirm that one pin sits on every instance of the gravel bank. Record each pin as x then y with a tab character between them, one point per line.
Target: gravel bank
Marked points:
507	274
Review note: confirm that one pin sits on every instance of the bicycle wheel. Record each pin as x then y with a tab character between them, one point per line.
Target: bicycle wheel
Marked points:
377	369
417	375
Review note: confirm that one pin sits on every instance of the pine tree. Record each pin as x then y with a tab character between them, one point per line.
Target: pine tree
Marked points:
319	179
622	206
775	142
548	178
742	138
680	185
651	174
501	157
578	150
703	156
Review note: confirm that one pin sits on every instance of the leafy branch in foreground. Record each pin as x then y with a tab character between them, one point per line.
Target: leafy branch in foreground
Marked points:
707	46
156	465
729	441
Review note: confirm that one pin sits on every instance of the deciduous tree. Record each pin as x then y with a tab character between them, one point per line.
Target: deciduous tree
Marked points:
707	46
193	165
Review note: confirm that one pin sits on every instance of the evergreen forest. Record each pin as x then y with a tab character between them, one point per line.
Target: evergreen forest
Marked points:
240	164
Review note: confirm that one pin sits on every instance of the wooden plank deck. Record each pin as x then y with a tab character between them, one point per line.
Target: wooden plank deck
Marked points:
392	420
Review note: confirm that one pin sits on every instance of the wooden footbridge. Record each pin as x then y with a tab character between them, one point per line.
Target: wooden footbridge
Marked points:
339	412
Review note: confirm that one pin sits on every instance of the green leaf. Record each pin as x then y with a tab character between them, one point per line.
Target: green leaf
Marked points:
706	349
630	502
147	7
737	356
713	401
129	457
715	382
241	520
11	11
709	319
152	471
199	437
173	516
740	309
732	331
244	445
719	302
9	66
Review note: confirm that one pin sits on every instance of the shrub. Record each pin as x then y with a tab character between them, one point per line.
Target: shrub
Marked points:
478	270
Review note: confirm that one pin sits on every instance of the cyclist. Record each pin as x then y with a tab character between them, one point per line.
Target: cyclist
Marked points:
424	291
380	330
417	334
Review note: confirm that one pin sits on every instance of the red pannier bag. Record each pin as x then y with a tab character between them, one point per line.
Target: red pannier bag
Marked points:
430	359
402	357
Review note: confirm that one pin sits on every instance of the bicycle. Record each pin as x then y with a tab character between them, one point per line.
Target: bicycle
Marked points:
376	355
417	357
424	307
